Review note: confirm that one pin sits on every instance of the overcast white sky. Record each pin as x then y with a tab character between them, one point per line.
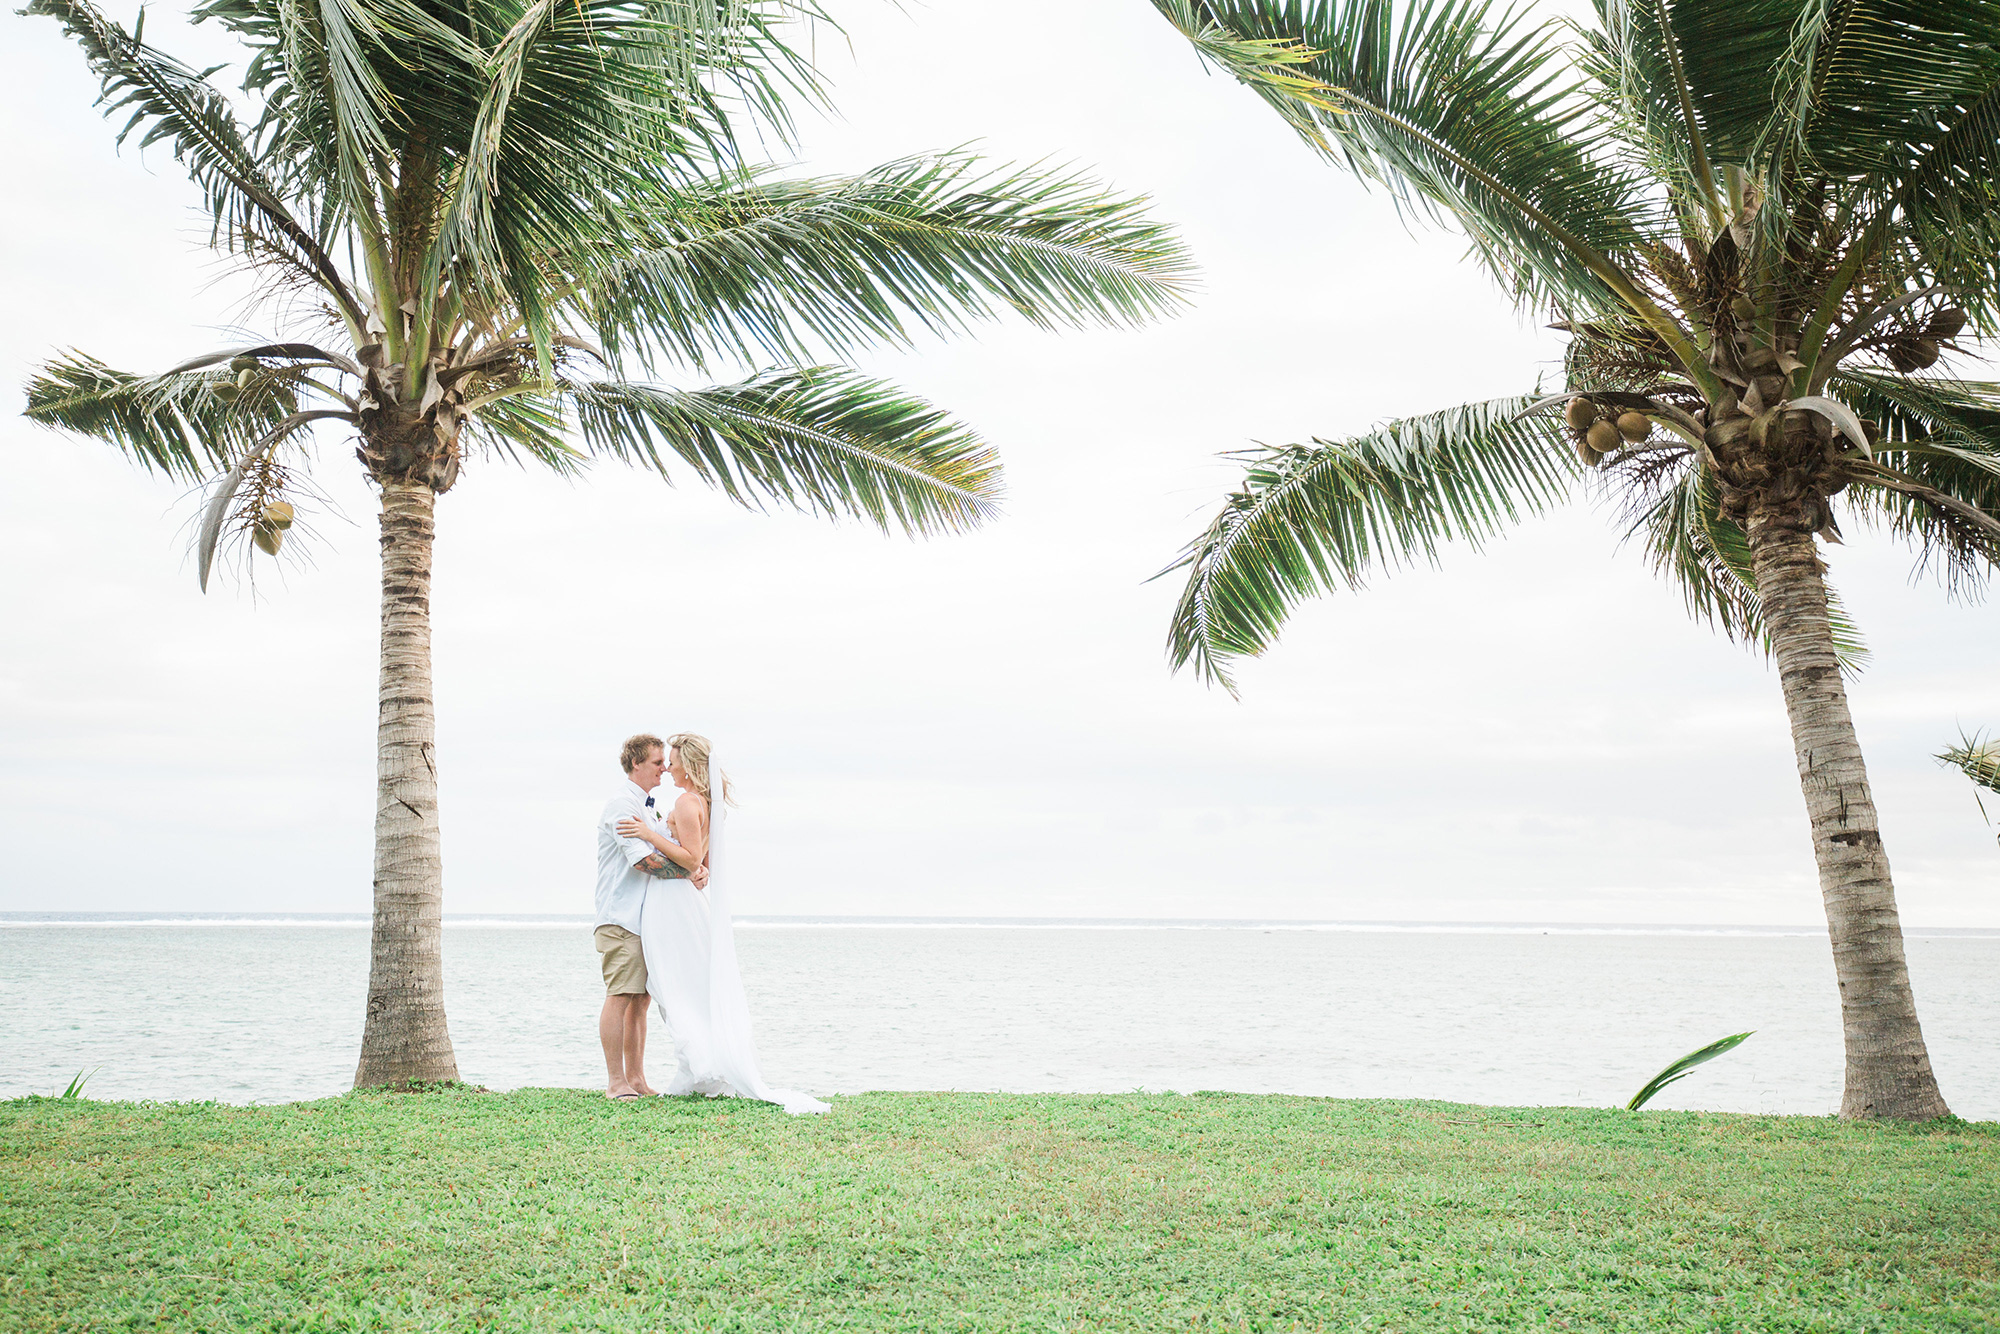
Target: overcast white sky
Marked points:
981	724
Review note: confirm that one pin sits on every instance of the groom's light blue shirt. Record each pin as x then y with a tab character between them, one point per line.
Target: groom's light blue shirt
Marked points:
621	890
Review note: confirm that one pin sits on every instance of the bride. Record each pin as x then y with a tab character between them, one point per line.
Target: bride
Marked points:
690	942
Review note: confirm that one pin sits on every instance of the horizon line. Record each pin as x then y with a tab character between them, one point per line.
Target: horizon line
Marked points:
356	918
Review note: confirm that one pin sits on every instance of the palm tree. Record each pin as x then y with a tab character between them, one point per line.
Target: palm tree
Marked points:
1761	223
476	218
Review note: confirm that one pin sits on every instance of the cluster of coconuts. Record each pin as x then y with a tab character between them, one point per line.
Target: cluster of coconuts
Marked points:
1600	431
1915	351
229	390
268	532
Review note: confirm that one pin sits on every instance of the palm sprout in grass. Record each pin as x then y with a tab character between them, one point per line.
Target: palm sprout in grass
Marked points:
75	1089
1680	1069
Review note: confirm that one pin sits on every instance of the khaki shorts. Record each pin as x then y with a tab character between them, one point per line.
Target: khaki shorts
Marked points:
624	961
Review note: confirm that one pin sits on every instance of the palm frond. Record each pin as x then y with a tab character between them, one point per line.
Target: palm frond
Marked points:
1269	65
788	268
527	426
173	423
1459	110
1673	512
1671	506
1900	103
1308	519
583	112
822	439
1977	757
1937	482
1730	57
171	101
1923	413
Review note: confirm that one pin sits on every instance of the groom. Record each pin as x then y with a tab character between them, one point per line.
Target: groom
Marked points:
624	866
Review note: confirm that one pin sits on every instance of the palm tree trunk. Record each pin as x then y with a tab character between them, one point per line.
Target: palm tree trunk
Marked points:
1888	1068
406	1038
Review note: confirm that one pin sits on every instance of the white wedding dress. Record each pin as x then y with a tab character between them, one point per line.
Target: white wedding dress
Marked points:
690	946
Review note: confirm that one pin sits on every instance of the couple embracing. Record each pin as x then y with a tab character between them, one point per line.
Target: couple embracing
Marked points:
664	934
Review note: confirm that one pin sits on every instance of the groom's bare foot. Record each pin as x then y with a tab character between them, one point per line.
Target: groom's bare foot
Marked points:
621	1090
646	1090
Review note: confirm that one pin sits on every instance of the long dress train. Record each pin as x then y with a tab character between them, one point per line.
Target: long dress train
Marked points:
689	940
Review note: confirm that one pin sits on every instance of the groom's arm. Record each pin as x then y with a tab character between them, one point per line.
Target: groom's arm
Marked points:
639	854
660	868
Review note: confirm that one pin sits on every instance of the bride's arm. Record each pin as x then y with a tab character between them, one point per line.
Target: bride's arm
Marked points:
633	828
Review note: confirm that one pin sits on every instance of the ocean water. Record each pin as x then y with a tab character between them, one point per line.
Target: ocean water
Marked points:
269	1010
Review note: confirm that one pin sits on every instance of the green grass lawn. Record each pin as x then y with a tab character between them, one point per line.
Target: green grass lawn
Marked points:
554	1209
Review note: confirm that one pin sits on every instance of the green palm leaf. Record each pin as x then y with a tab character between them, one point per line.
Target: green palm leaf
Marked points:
1458	109
1943	436
172	102
1673	513
1680	1069
1976	757
1308	519
785	268
1900	102
823	439
520	427
172	423
1671	506
1269	65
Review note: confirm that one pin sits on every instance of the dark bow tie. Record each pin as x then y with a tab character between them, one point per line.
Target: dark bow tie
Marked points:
649	801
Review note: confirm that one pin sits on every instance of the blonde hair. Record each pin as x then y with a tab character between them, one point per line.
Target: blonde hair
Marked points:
694	749
635	750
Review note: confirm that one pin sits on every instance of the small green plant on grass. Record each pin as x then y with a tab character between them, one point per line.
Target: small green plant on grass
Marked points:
75	1089
1681	1068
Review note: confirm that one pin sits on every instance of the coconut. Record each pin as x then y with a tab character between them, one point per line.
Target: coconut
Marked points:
278	514
243	379
267	537
1591	458
240	364
1580	413
1743	308
1603	437
1947	323
224	390
1871	429
1634	425
1912	354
